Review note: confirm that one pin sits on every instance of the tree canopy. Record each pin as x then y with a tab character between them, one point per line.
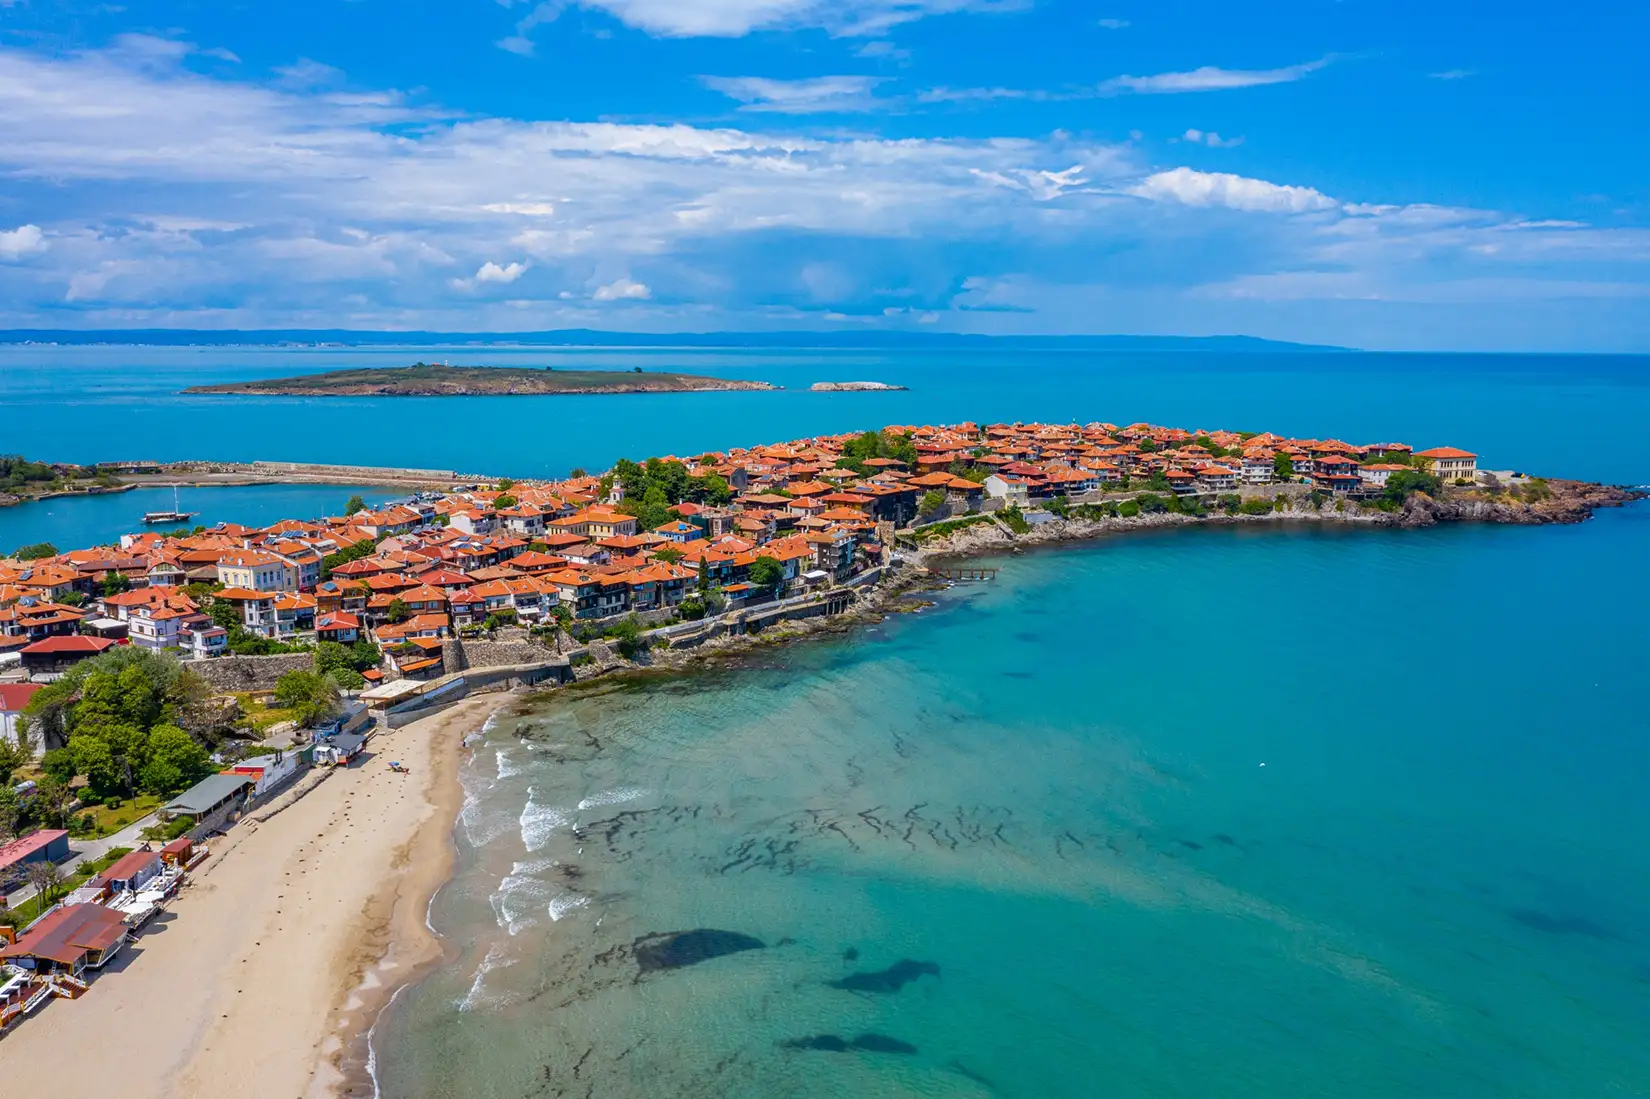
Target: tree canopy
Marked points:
309	695
767	572
108	711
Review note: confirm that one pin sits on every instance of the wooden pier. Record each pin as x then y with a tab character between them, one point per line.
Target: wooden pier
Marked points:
960	575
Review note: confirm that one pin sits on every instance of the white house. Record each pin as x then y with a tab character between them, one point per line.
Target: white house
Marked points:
1013	491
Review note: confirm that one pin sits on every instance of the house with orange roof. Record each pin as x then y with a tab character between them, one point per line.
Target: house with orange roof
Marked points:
256	570
339	626
1450	463
257	608
1216	478
1256	467
596	521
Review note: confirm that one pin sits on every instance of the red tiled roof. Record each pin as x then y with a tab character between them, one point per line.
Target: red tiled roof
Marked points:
15	696
68	644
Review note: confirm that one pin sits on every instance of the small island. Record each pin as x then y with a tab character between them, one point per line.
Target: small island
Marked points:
855	387
438	380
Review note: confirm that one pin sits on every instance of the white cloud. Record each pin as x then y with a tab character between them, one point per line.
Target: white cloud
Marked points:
519	42
1453	74
1208	79
813	95
25	240
1113	24
1194	188
734	18
882	49
306	73
623	289
168	197
492	272
1211	139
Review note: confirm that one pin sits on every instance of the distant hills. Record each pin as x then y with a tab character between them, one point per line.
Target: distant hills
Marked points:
583	337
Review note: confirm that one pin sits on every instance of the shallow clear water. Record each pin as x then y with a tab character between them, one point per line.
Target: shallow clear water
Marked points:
1052	788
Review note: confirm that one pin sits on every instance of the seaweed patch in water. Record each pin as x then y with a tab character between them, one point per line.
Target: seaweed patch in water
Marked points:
675	949
865	1043
1563	924
851	954
892	979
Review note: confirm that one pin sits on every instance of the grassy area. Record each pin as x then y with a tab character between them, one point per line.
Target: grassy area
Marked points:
261	715
949	526
107	821
29	911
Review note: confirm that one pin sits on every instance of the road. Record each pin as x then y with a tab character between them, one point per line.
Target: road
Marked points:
81	850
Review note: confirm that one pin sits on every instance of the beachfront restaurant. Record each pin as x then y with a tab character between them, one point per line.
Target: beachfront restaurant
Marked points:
68	940
211	800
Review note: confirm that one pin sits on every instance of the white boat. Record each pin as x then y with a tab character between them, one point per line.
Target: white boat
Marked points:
176	515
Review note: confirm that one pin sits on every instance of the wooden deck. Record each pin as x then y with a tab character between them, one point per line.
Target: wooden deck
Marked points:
962	575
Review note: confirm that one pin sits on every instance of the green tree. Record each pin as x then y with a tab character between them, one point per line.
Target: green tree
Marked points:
114	583
398	611
354	504
505	501
668	554
1404	482
13	756
577	472
35	551
176	760
1283	466
626	634
506	485
932	501
364	655
94	758
225	613
767	572
309	695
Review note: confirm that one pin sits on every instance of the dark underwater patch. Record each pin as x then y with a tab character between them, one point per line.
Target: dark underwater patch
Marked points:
675	949
865	1043
892	979
1563	923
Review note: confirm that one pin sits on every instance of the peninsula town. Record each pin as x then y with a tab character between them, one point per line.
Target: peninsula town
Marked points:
157	691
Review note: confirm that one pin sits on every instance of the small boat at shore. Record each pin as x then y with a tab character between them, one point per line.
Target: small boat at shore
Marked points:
176	515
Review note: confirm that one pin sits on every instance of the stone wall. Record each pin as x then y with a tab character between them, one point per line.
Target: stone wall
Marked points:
496	654
250	673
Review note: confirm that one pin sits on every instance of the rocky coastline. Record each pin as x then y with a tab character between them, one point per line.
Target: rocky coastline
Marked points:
902	590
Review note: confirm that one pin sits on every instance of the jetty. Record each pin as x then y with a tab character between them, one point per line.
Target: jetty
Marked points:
964	575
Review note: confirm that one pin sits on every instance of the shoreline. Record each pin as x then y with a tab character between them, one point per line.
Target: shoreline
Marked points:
312	915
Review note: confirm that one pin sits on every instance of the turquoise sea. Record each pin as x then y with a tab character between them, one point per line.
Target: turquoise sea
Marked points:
1046	795
1206	813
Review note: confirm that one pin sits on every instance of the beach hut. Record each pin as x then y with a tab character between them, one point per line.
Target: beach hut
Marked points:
69	940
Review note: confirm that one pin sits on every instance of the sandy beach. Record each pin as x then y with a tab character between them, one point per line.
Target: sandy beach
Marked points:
262	977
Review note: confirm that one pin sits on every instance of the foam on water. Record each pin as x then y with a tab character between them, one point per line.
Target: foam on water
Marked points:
612	797
477	997
539	822
506	767
561	905
517	899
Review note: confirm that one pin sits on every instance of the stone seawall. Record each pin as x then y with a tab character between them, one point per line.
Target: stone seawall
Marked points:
497	654
250	673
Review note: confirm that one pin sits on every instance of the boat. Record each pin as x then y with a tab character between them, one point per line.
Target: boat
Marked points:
176	515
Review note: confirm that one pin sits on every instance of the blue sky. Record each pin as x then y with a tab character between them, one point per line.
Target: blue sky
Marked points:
1393	175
